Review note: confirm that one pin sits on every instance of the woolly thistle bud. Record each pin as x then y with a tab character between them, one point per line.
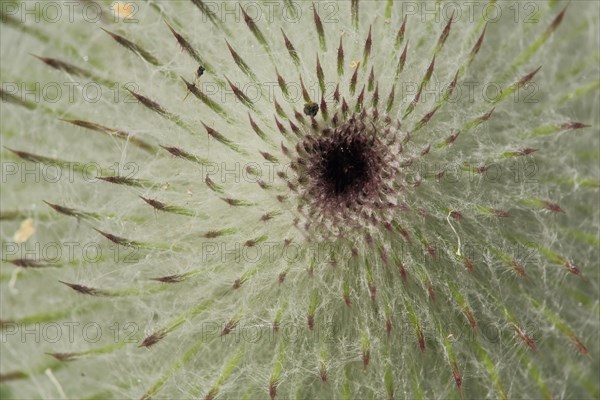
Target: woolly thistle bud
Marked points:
339	199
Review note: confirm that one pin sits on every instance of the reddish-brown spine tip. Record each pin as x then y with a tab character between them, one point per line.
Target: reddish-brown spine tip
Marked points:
170	278
81	289
153	339
63	356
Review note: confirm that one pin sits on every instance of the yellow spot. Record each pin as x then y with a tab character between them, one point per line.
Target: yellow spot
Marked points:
354	64
25	231
12	283
122	10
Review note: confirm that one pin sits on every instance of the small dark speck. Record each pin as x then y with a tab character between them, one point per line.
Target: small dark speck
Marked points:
200	71
311	109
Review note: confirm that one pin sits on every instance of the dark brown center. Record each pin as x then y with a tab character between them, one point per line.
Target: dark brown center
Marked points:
345	166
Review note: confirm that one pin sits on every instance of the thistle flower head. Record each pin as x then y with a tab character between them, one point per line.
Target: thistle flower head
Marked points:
345	199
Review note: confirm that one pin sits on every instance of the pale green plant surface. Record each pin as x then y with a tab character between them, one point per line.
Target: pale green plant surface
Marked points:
481	282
